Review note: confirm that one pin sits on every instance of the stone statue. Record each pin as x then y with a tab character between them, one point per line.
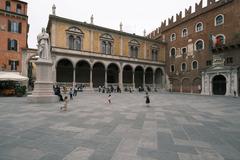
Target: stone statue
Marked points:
43	45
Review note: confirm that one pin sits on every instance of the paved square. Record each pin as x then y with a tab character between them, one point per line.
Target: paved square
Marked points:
174	127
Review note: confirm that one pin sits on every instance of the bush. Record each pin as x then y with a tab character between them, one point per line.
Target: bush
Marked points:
20	91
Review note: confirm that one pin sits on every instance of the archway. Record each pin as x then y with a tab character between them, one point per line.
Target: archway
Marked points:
159	78
82	72
149	76
196	86
64	71
98	75
112	73
219	85
127	74
186	85
138	77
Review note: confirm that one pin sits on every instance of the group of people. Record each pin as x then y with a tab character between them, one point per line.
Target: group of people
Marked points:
110	89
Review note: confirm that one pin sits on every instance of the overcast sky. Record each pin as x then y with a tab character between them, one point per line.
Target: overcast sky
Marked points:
136	15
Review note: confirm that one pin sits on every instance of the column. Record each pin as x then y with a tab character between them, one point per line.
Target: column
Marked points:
74	77
145	50
105	77
235	74
203	84
91	83
120	79
133	80
143	79
228	85
154	83
121	46
91	40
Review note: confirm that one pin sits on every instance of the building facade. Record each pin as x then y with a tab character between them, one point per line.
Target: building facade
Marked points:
93	56
13	34
202	48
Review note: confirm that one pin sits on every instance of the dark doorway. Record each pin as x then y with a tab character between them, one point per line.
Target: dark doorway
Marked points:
138	77
82	72
219	85
112	73
98	74
64	71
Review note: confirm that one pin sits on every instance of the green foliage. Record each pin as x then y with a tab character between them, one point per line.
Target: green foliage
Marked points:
20	90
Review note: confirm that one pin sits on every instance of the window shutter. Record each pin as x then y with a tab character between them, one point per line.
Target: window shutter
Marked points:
9	44
20	28
9	26
15	45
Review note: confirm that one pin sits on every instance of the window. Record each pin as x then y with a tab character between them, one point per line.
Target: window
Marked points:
184	32
172	68
173	37
13	65
106	43
183	67
194	65
219	20
19	8
12	45
229	60
199	45
209	63
75	38
14	26
199	27
134	47
173	52
8	6
184	51
154	54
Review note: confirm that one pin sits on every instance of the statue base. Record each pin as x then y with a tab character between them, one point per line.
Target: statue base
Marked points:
43	87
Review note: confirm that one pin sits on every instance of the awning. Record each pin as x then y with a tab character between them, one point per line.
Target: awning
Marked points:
12	76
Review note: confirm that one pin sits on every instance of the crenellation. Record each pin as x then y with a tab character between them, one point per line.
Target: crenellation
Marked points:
188	11
210	2
198	7
179	16
170	20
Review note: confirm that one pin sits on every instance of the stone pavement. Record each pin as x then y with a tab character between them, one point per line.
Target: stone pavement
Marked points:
174	127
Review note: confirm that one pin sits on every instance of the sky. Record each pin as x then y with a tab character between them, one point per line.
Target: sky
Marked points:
135	15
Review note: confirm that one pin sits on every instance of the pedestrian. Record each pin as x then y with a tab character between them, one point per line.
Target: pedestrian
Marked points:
147	99
109	99
71	93
64	108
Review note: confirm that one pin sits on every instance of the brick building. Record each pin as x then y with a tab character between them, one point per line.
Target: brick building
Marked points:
202	48
13	34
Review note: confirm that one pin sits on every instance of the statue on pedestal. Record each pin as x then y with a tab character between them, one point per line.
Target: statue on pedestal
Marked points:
43	45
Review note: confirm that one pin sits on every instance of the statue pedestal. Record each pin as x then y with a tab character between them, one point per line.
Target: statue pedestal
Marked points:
43	87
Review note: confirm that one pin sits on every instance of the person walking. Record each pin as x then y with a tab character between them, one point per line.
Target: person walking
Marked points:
64	108
109	99
71	93
147	99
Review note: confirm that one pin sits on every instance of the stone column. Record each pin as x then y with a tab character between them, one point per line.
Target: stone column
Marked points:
209	89
91	83
74	77
91	40
120	79
235	88
133	80
145	50
121	46
105	77
228	84
203	84
154	83
144	79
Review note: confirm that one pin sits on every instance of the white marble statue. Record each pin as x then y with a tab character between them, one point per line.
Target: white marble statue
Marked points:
43	45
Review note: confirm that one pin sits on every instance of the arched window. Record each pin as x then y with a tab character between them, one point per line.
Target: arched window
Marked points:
184	51
194	65
19	8
199	45
172	68
8	6
183	67
219	20
199	27
184	32
134	48
173	52
154	54
106	43
78	43
173	37
71	42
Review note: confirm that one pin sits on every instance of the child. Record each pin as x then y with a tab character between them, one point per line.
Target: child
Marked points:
71	93
109	98
147	99
64	108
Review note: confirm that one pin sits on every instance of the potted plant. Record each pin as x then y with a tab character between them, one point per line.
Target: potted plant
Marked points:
20	91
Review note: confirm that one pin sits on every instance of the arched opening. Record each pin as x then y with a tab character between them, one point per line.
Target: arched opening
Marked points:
175	85
64	71
186	85
196	86
127	74
138	77
112	73
149	76
219	85
159	78
82	72
98	75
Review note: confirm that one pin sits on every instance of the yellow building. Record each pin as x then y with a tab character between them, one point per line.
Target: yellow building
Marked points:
93	56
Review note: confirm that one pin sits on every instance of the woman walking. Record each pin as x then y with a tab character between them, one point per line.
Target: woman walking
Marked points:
147	99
